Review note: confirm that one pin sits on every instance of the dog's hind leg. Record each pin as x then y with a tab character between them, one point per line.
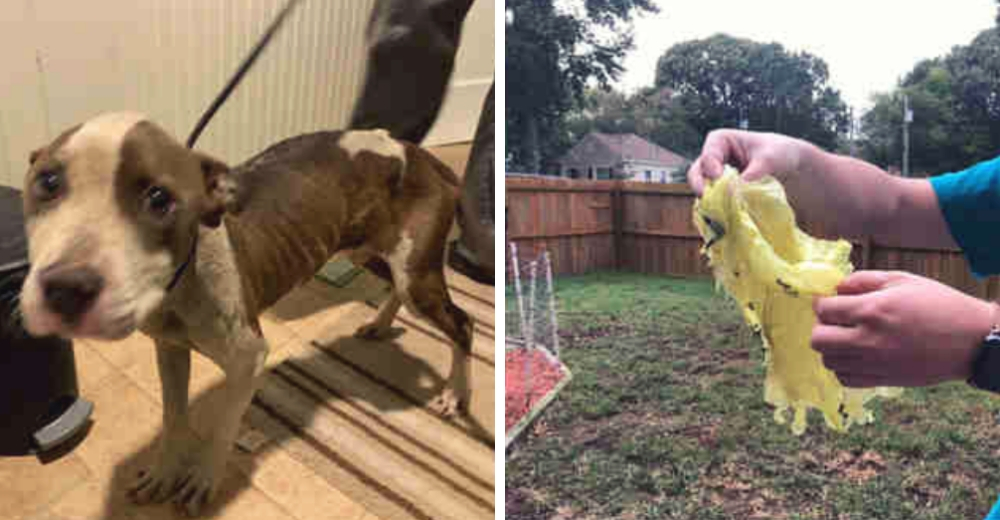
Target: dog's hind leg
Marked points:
380	327
427	296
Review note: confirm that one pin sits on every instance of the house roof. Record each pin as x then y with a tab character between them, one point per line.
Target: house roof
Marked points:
605	149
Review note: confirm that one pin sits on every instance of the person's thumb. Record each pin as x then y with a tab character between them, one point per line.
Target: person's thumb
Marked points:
861	282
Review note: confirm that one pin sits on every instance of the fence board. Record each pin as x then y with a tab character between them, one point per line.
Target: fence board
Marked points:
644	227
573	221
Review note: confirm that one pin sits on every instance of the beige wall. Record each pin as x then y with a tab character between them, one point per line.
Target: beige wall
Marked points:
63	61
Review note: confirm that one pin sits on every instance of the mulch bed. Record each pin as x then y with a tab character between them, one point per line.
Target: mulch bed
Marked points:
545	374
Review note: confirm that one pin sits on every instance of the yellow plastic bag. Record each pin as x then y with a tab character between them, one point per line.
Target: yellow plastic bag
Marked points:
774	271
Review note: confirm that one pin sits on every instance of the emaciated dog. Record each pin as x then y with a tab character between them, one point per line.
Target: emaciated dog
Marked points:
129	230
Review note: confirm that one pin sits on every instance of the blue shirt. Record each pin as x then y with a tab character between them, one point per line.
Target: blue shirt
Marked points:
994	513
970	202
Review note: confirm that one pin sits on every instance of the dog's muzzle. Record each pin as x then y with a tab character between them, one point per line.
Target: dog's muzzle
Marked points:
70	292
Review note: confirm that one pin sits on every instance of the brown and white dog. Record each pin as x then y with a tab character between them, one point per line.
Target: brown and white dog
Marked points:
129	230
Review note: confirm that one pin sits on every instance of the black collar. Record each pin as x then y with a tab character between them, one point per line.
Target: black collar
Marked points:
185	264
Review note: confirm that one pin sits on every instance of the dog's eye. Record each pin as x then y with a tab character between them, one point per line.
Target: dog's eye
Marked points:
48	185
158	201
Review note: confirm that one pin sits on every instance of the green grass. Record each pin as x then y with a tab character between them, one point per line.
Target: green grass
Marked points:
665	418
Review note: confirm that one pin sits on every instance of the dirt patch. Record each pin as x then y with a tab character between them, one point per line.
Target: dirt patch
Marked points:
707	435
926	490
607	432
716	361
520	504
738	496
856	467
589	326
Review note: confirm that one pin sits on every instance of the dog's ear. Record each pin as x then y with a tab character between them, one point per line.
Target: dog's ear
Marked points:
34	155
220	191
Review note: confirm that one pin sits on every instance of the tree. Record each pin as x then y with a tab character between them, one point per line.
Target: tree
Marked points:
956	111
935	132
722	80
607	111
654	114
976	72
663	119
551	56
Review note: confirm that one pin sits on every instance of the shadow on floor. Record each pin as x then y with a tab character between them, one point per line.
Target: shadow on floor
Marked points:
312	391
322	295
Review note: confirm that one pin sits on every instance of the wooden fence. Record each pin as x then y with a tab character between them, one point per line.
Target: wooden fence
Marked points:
640	227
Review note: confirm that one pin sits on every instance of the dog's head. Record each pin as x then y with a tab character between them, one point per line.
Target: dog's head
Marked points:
112	209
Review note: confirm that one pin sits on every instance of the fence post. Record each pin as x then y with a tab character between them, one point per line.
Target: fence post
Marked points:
517	289
617	222
529	340
552	305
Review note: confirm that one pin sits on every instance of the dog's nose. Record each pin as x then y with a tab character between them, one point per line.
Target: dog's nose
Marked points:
71	292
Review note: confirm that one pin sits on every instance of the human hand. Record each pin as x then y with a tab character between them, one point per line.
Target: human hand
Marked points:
899	329
755	154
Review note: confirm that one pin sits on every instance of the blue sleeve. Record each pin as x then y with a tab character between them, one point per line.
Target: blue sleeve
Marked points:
970	202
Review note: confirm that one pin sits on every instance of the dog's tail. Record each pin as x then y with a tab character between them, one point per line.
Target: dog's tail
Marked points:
458	257
453	181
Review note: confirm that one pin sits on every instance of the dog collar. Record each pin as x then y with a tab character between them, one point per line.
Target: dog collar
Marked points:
183	266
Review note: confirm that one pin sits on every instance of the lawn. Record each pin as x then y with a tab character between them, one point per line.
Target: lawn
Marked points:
665	418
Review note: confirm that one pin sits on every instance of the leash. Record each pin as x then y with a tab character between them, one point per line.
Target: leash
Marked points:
240	72
183	267
217	103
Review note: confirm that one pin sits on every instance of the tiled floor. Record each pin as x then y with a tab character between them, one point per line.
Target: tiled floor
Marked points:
365	448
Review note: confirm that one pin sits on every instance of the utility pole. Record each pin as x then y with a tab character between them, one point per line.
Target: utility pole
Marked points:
907	119
852	134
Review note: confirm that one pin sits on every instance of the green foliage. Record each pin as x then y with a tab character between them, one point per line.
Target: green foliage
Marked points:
653	114
956	111
976	72
722	79
551	54
706	84
936	133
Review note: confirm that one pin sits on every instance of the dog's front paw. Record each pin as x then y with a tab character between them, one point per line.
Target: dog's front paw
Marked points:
200	487
447	404
157	483
191	485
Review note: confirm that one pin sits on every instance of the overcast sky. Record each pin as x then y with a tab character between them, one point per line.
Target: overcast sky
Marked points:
868	44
